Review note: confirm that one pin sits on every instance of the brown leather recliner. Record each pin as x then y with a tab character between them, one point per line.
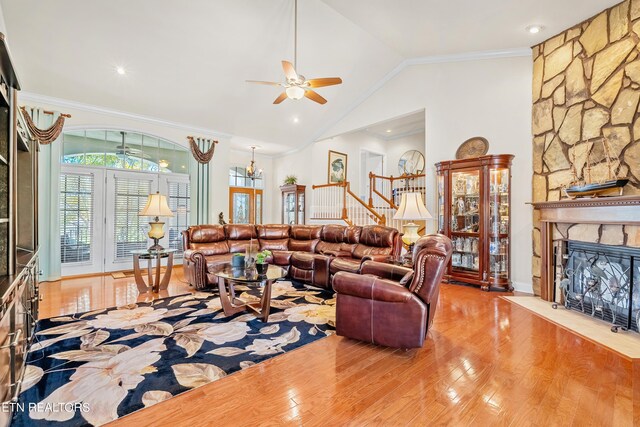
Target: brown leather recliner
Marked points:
391	305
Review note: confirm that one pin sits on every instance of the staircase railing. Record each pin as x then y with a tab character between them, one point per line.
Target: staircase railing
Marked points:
338	202
387	190
385	193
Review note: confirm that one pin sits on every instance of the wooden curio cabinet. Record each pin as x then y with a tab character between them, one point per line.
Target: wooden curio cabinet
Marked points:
474	210
293	204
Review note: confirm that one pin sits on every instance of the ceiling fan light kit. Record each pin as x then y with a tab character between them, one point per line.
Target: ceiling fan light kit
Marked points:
296	86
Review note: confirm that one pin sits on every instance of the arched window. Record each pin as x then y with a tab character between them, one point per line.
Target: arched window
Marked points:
123	150
105	179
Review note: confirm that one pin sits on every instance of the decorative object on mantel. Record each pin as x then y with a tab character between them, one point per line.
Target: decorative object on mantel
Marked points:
46	136
590	186
472	147
202	157
296	85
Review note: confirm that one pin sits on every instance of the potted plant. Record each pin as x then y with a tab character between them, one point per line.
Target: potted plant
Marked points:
261	261
237	260
290	180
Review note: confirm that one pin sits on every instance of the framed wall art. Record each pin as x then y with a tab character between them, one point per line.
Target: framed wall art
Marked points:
337	169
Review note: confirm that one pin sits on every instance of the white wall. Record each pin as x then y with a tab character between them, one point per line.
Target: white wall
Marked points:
490	98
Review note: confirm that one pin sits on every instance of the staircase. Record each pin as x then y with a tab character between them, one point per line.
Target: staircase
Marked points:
336	202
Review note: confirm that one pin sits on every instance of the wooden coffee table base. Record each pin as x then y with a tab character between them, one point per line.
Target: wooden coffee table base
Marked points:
232	305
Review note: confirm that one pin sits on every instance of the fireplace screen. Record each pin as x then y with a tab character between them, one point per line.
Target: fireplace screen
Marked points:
603	281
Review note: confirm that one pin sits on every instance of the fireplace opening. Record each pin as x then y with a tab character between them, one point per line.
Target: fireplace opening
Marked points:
602	281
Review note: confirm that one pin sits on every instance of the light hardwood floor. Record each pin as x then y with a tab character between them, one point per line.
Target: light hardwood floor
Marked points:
486	362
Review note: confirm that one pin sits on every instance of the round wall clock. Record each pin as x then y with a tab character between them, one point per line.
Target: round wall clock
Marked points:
411	163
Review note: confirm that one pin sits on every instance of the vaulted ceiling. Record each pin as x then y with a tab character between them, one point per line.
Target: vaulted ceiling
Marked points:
187	61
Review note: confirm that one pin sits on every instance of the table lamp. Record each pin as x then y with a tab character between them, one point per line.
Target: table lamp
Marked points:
411	208
156	207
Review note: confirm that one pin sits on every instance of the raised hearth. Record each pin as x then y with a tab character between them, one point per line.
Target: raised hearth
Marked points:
622	210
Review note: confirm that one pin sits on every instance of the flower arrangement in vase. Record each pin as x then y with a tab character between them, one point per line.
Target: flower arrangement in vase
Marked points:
261	261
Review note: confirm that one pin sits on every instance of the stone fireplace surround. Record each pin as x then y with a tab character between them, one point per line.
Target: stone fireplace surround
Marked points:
621	211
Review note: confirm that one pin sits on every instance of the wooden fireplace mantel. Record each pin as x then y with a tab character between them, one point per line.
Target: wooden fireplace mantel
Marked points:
596	210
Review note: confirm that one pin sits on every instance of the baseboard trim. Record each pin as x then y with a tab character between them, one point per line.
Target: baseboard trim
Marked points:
523	287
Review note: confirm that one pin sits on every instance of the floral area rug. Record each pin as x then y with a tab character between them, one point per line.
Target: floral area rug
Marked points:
92	368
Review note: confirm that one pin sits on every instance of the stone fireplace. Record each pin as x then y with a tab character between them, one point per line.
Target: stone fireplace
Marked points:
586	259
586	88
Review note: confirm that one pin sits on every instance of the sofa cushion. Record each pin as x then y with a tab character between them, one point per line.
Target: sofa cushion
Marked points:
281	257
274	245
215	260
304	237
214	248
273	231
302	260
236	246
375	240
206	234
240	231
344	264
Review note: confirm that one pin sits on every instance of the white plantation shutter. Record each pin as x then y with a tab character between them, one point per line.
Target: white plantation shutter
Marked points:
179	201
76	217
130	231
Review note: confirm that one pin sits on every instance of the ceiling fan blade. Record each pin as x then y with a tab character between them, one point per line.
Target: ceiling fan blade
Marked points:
280	98
326	81
289	71
314	96
260	82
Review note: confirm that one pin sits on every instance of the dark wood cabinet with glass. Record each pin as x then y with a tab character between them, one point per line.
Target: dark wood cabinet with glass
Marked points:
293	204
474	208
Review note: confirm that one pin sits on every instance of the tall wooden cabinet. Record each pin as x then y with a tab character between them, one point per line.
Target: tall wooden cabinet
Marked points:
293	204
474	210
19	295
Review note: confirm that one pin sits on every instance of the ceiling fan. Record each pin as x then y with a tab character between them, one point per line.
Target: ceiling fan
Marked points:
125	150
296	86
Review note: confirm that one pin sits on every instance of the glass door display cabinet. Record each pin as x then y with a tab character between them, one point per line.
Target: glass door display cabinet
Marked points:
293	204
474	198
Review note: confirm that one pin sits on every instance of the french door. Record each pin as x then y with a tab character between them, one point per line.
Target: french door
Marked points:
244	208
107	203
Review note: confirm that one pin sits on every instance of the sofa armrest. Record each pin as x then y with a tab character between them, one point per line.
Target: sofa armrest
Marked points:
376	258
369	287
196	262
386	271
338	254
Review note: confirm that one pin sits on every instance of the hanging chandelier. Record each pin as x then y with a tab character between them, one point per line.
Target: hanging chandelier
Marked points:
252	172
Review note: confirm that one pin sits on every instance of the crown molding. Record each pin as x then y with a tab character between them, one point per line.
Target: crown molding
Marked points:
59	102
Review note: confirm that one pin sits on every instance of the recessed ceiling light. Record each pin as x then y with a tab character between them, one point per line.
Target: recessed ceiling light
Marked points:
388	130
121	71
534	29
296	120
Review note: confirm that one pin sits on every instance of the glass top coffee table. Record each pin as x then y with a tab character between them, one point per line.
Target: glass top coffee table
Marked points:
229	276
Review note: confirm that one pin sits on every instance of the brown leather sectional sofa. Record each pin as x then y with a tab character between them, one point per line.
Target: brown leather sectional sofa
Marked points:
310	253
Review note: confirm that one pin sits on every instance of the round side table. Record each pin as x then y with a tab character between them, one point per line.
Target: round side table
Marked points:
156	283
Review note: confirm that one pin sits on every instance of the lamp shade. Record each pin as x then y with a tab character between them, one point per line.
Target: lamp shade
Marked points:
156	206
412	207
